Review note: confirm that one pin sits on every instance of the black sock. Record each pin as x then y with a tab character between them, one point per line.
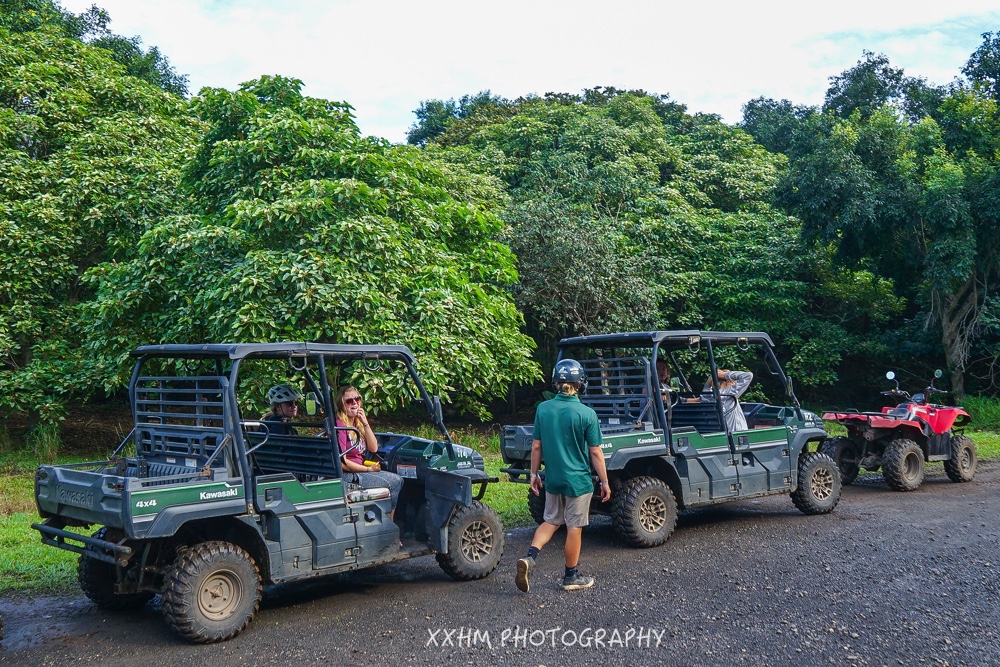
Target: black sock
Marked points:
572	572
533	552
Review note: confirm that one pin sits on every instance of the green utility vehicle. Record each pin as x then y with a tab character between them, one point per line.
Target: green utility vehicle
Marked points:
668	447
204	505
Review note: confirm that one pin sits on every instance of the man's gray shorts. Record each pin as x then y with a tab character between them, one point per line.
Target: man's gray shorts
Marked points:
574	511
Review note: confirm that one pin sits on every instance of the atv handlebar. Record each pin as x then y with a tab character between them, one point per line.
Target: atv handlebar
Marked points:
896	392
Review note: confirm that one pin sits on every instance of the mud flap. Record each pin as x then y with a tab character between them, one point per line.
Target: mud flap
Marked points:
443	492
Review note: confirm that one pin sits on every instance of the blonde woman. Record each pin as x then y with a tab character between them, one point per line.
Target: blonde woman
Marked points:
354	445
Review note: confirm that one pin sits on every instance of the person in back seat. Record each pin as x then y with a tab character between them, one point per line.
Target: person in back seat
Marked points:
356	446
732	385
284	408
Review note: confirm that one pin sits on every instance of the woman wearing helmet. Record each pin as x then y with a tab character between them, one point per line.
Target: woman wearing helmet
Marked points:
284	401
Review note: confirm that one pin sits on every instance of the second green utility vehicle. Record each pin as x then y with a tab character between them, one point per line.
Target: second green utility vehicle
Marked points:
668	447
205	505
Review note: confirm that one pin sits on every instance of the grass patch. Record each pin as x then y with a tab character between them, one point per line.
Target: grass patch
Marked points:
987	443
985	412
27	565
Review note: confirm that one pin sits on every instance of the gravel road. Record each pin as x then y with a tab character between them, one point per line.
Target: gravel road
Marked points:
886	579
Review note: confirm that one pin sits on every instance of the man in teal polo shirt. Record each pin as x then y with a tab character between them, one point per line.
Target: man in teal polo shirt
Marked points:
568	434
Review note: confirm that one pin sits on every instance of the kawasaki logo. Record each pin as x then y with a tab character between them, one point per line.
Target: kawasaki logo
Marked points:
212	495
646	441
74	497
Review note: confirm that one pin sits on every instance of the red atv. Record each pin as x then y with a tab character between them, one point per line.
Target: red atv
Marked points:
900	439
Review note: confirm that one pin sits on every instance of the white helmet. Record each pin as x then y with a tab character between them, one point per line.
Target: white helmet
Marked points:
282	393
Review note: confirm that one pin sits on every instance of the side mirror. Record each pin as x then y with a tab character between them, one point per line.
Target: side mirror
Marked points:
890	376
311	403
938	373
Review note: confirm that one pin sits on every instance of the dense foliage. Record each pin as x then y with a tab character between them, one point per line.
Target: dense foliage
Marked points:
904	177
89	157
301	229
861	234
627	213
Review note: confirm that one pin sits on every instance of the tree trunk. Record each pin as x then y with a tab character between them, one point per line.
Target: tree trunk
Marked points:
34	419
958	314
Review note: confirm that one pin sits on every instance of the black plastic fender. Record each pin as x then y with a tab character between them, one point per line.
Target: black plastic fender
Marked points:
443	492
802	439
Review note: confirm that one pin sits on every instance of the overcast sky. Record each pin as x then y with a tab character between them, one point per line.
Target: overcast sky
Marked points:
385	56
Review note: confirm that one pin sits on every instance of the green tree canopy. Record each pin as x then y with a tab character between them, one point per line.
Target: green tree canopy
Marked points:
983	67
916	196
627	213
301	229
89	157
91	26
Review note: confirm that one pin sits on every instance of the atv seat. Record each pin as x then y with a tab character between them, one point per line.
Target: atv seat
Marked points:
899	412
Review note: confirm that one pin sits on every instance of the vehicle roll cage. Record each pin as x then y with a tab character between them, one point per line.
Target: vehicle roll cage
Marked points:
298	355
672	341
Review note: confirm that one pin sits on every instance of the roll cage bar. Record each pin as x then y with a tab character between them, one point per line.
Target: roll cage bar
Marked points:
688	339
296	352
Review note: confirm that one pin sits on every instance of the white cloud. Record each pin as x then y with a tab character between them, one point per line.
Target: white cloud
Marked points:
385	56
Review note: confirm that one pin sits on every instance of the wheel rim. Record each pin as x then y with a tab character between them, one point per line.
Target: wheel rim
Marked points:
220	595
965	459
911	466
477	541
822	483
652	514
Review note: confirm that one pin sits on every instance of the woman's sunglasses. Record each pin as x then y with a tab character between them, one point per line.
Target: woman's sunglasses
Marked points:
352	400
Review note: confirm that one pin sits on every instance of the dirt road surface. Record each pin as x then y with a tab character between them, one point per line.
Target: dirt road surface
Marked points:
887	579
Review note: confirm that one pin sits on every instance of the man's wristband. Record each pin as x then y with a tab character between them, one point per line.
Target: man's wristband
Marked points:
603	483
534	475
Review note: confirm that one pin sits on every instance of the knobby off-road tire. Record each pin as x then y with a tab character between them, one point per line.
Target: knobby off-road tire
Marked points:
536	505
475	543
846	455
644	512
212	593
903	465
961	467
97	580
819	486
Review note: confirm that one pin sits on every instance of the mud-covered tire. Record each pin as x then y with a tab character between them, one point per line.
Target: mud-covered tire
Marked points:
536	505
97	580
644	512
475	542
903	465
819	484
846	455
212	593
961	467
